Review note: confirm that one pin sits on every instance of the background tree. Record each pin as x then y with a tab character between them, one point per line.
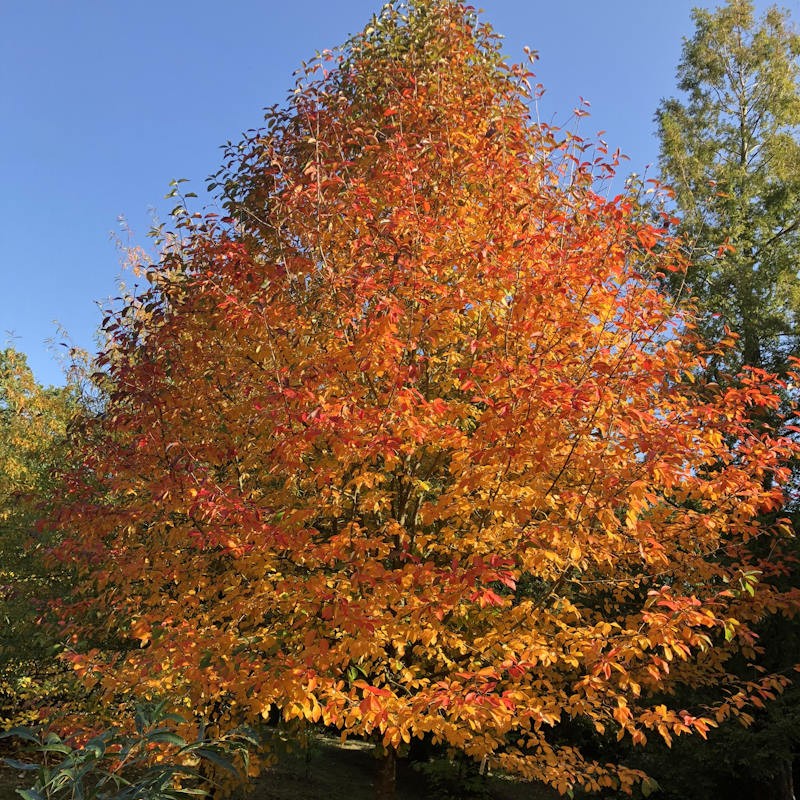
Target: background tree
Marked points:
409	445
730	151
33	424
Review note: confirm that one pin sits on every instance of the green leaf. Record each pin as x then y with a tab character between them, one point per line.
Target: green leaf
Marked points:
649	786
173	718
23	765
56	747
167	737
217	758
25	734
246	734
30	794
141	719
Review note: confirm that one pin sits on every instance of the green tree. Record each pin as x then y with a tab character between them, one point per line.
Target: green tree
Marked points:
730	151
33	426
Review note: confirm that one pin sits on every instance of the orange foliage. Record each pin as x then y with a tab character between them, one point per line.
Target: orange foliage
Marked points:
412	444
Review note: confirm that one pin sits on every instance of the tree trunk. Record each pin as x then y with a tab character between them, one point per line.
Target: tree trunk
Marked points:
386	777
781	787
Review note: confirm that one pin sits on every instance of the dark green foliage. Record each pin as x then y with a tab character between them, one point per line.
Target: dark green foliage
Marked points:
117	766
729	149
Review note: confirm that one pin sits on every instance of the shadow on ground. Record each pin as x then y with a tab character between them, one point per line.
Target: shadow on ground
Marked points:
329	770
332	771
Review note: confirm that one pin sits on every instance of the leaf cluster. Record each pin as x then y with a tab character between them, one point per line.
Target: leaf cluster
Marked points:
153	762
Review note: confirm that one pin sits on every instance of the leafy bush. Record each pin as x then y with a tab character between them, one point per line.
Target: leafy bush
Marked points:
153	763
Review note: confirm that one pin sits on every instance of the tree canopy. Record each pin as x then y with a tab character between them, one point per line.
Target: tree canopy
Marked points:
33	429
730	151
412	443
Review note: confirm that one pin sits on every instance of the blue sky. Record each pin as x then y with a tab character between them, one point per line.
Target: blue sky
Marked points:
104	102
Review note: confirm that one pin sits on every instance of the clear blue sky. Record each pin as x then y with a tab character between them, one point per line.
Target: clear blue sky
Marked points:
103	102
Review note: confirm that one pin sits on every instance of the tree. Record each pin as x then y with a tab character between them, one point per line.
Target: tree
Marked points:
33	423
731	153
410	444
730	150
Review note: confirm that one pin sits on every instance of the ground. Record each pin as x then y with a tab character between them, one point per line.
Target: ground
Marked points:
331	771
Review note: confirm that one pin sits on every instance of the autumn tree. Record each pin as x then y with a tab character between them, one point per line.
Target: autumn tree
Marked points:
410	443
